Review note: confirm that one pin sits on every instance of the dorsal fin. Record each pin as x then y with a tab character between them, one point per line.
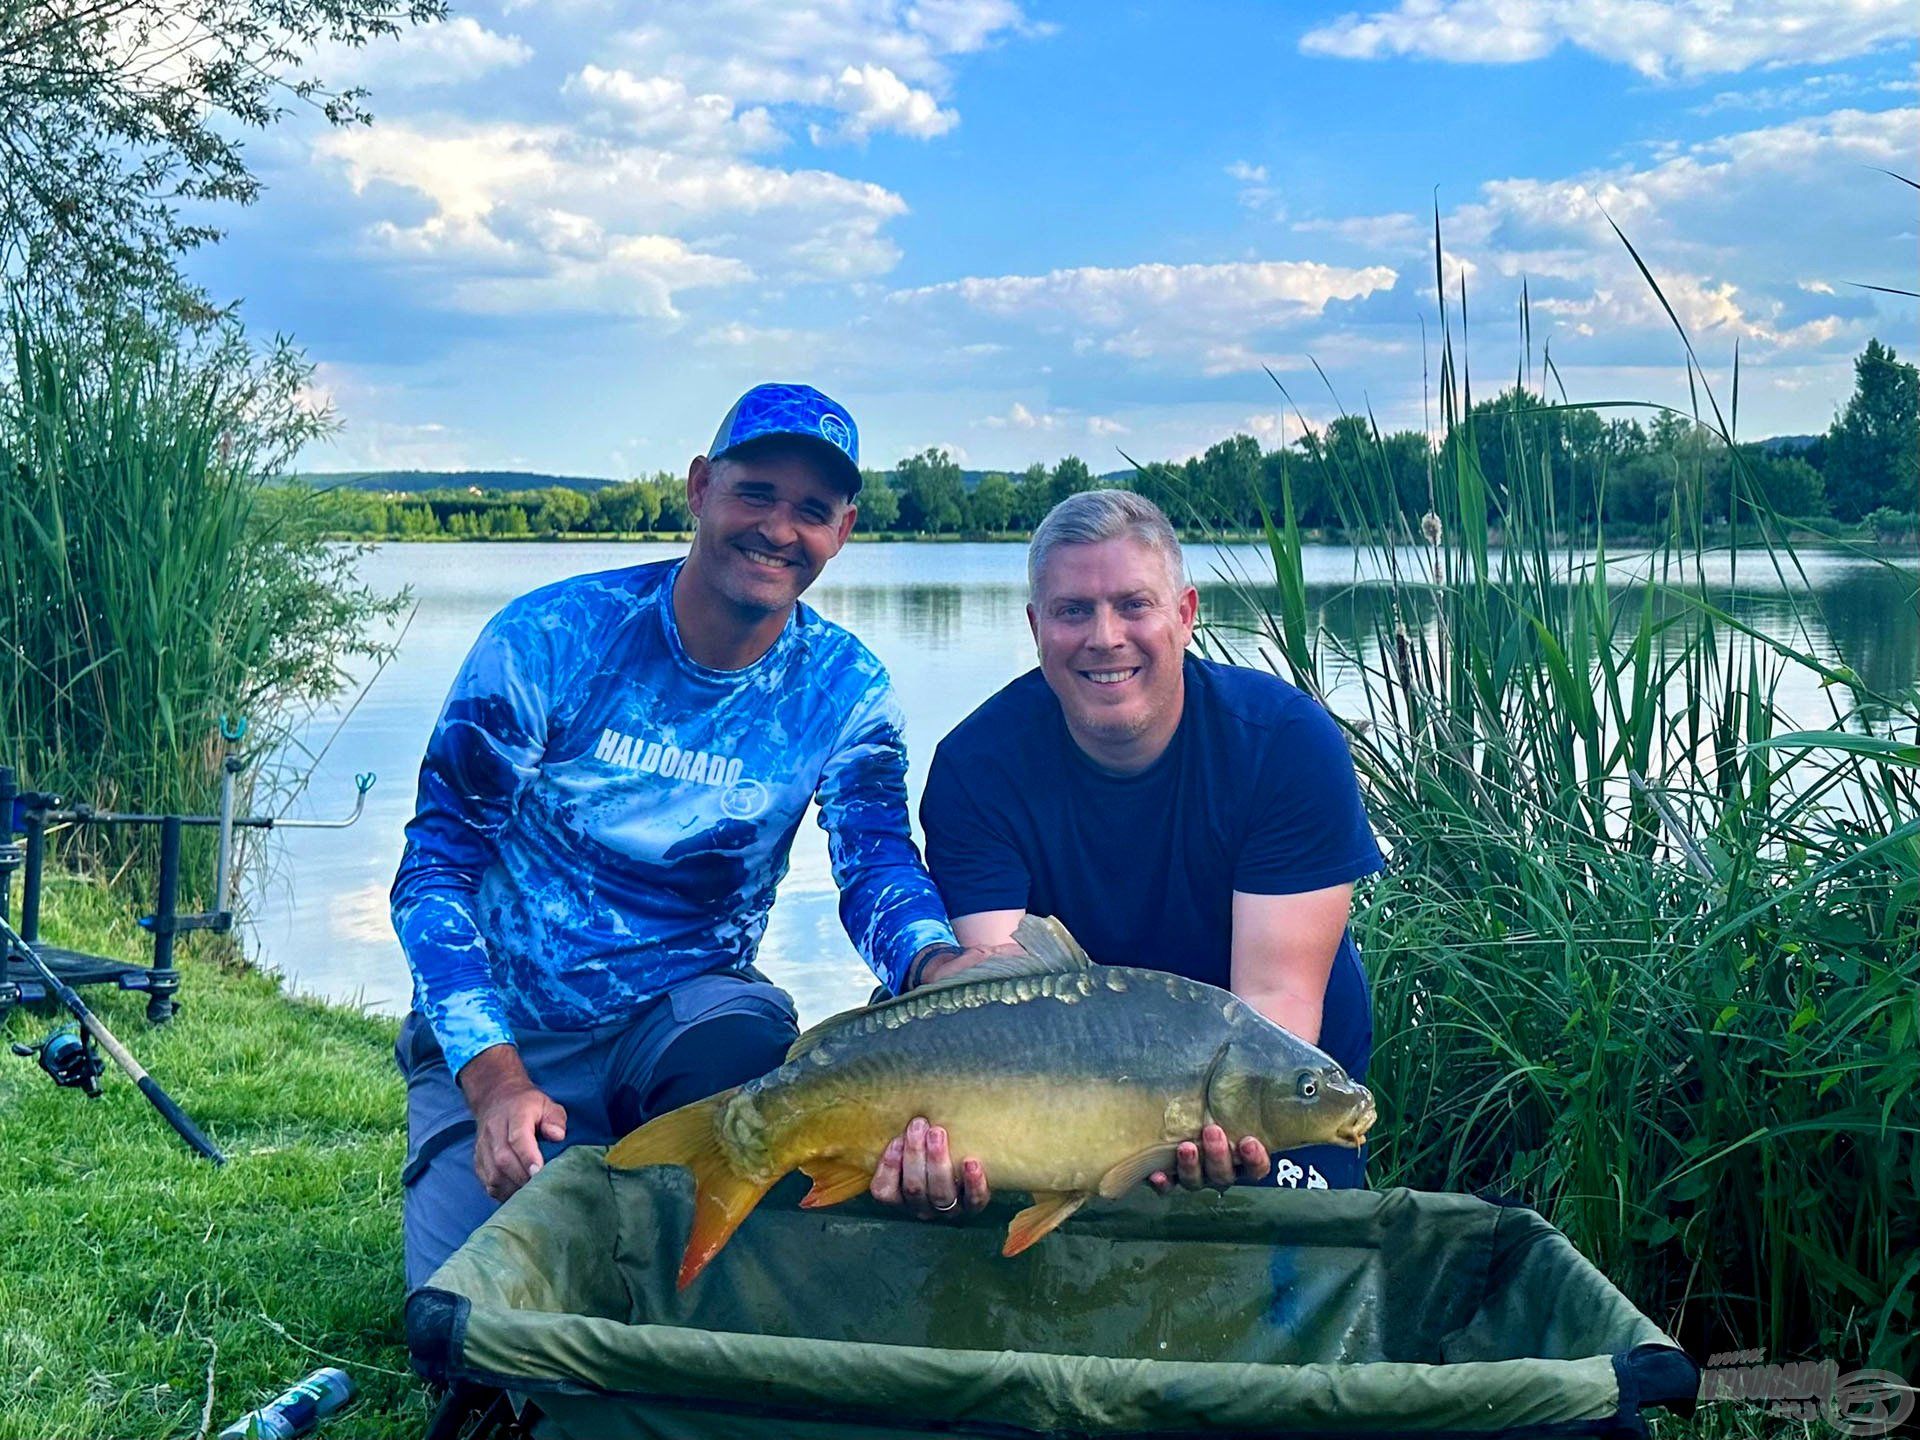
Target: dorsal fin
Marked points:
1045	938
1049	946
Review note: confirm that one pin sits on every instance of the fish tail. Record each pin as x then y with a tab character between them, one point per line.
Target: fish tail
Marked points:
723	1197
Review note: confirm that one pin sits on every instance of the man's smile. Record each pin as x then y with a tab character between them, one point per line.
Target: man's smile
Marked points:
765	559
1111	677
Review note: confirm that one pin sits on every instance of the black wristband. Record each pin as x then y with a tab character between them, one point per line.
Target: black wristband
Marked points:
917	966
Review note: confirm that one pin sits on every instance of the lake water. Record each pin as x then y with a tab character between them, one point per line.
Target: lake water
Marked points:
947	619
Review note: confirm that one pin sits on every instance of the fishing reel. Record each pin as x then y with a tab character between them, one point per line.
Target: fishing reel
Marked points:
68	1057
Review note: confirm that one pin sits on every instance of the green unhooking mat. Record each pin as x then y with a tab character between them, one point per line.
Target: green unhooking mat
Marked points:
1257	1312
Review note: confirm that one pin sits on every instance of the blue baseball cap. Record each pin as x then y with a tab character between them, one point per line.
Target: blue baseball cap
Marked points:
794	412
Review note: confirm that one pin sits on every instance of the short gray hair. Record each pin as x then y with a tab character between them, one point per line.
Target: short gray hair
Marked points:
1096	515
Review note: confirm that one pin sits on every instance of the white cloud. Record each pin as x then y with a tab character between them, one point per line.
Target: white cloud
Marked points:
1254	190
874	99
1109	298
1174	313
1269	428
878	65
546	217
1730	227
1101	426
452	52
660	111
634	184
1812	92
1658	38
365	443
1021	418
1381	234
734	335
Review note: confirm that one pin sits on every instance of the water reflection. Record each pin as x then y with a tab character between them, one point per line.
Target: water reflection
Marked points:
1866	616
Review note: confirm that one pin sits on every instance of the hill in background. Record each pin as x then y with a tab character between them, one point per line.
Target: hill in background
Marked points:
412	481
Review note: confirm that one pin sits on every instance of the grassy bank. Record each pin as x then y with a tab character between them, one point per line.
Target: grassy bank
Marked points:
141	1289
133	1276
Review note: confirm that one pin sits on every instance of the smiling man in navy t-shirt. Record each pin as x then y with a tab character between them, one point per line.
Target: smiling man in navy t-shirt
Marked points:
1173	813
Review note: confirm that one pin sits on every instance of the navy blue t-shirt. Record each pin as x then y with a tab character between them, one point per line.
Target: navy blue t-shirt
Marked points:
1256	793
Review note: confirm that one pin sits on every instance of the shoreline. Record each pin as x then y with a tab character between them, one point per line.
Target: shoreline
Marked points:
1903	546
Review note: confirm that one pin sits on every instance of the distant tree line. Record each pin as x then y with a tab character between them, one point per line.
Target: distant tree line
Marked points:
1865	468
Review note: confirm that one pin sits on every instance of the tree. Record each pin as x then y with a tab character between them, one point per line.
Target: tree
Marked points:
670	494
879	503
1873	449
1032	496
1230	474
122	114
992	502
626	509
1162	483
1069	477
561	511
931	492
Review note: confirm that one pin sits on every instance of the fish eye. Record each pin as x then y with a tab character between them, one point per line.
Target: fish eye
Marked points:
1306	1087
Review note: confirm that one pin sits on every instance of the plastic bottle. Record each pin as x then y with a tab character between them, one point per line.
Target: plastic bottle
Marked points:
325	1392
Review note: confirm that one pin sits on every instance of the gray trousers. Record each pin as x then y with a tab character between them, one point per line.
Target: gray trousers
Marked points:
704	1035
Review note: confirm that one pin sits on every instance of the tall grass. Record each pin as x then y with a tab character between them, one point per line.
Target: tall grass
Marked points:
142	595
1647	954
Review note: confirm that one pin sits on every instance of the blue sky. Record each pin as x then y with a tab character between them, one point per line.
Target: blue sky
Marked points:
577	229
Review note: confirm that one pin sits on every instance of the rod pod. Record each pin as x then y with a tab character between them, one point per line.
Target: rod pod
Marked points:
171	1112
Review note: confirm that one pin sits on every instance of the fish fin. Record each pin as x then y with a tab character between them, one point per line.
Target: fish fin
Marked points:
812	1036
1045	938
1049	948
722	1197
1049	1210
1134	1169
833	1181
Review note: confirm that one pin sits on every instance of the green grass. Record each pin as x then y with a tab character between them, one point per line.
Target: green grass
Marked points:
133	1275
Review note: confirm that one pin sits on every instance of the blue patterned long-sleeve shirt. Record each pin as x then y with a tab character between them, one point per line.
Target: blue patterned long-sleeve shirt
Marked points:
601	817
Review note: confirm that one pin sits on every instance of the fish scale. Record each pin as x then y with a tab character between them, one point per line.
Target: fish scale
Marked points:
1064	1078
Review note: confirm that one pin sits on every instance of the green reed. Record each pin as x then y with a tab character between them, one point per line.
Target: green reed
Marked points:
142	594
1647	952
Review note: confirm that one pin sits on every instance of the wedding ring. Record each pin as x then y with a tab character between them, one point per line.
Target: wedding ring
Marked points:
951	1205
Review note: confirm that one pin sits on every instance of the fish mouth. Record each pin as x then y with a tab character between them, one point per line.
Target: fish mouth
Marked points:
1353	1131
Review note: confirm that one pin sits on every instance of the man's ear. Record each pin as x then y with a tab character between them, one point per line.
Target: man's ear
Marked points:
846	526
1033	624
1189	610
699	481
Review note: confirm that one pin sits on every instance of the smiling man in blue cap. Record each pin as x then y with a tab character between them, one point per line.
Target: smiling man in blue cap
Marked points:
605	809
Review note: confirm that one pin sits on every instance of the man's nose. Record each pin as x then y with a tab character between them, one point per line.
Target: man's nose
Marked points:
1106	629
778	527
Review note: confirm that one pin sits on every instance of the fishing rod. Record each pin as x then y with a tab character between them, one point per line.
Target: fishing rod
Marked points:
69	1059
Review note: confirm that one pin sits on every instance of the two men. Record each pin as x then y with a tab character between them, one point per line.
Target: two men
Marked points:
605	809
608	800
